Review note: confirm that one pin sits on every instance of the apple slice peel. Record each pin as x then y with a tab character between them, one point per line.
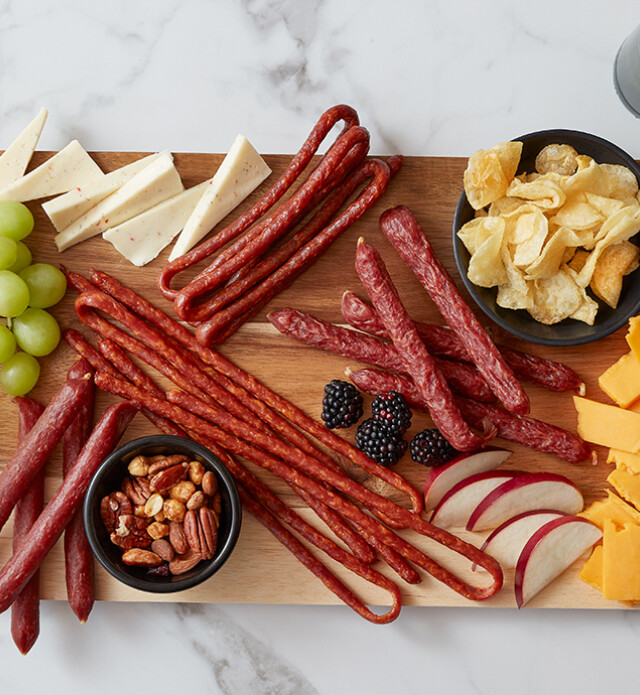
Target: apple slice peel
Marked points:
441	479
524	493
549	552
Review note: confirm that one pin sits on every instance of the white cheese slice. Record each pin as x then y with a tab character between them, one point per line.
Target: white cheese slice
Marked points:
67	208
15	159
143	237
156	182
242	170
70	167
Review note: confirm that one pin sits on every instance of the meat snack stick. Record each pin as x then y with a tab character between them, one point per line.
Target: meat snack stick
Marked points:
57	514
248	384
522	429
403	231
462	378
78	557
550	375
25	612
34	451
419	363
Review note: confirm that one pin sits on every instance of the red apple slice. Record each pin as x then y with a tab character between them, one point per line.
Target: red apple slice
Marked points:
507	541
522	494
442	478
455	508
550	550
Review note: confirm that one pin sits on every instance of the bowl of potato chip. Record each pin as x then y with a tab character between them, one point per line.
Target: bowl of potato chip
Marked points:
545	236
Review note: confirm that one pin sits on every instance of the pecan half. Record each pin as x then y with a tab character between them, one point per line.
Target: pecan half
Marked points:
167	462
137	489
201	531
185	562
112	507
167	478
141	558
131	532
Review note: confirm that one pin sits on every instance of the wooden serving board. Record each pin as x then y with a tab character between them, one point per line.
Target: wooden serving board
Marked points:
261	570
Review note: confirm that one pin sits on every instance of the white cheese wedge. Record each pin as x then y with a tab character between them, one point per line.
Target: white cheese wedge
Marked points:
156	182
143	237
67	208
70	167
15	159
242	170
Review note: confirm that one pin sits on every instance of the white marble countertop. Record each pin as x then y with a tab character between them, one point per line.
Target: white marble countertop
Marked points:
428	78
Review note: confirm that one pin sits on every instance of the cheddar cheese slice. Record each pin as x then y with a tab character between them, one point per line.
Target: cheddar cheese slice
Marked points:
633	336
620	562
621	382
613	508
627	485
592	571
608	425
624	460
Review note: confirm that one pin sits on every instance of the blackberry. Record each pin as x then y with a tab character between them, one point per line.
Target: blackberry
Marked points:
430	448
379	442
341	405
392	409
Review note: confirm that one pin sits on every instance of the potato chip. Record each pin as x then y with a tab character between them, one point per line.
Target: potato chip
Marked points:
489	172
474	233
603	204
609	270
531	229
589	177
486	268
560	159
578	260
517	293
553	254
544	192
555	298
577	214
505	205
586	311
621	181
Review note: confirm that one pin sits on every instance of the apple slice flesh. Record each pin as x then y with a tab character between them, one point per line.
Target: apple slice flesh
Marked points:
525	493
550	550
507	541
441	479
455	508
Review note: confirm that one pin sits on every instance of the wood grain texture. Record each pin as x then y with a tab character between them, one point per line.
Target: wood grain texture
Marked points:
261	571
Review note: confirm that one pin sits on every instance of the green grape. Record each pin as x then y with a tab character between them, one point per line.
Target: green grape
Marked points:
23	258
8	252
7	344
36	332
14	294
19	374
16	220
46	284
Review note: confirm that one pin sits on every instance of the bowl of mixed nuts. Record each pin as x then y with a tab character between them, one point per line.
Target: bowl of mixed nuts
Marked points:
162	514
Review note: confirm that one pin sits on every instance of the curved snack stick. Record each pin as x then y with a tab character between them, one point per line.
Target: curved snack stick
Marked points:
297	165
249	384
550	375
403	231
57	514
371	528
38	444
25	611
423	369
310	330
521	429
78	556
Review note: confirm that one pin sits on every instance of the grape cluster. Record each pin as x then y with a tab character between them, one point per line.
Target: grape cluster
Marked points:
26	290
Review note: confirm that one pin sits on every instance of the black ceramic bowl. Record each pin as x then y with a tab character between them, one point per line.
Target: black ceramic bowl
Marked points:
519	322
108	478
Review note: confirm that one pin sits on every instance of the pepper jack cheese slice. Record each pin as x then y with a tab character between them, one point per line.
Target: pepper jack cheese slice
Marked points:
156	182
70	167
621	382
242	170
67	208
608	425
143	237
16	158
